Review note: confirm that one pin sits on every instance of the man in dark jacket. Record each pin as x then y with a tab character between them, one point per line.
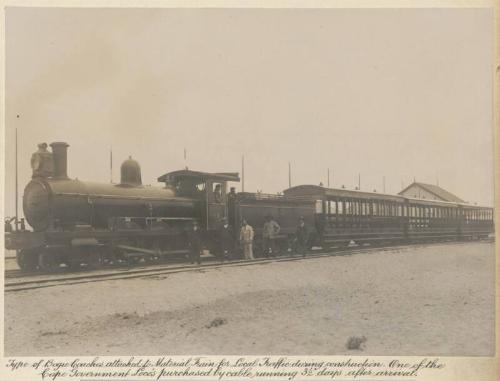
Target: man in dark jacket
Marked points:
226	240
301	237
195	246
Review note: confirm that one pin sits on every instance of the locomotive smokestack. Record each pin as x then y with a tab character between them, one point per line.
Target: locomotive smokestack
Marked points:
60	153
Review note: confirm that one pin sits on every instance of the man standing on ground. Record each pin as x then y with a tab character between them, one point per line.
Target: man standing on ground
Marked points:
270	231
246	239
226	240
195	246
301	237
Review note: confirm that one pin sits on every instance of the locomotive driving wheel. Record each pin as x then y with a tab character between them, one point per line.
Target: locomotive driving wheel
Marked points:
48	261
27	260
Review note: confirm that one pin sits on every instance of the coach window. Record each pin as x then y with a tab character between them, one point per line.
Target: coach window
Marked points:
319	206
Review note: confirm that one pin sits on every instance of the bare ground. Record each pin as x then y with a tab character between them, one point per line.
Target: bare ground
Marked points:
436	300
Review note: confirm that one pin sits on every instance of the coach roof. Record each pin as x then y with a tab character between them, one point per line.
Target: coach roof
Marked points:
319	191
220	176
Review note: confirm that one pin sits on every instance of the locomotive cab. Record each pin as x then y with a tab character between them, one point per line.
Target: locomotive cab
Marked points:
210	189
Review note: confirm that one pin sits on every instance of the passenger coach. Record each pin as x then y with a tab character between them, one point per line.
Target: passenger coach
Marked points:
345	215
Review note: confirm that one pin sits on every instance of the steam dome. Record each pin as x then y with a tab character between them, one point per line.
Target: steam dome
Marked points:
130	173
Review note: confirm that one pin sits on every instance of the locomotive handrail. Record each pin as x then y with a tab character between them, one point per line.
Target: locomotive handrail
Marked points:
87	195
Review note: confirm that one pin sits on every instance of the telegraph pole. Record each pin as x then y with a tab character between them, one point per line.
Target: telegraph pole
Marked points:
289	175
328	178
383	180
359	181
111	165
17	201
242	173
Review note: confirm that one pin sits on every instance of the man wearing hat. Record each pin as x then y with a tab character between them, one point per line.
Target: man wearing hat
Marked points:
195	245
42	162
226	240
301	237
246	239
269	232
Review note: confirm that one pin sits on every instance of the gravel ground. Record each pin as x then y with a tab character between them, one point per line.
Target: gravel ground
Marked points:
435	300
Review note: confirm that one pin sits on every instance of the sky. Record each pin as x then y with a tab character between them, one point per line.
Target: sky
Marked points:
402	94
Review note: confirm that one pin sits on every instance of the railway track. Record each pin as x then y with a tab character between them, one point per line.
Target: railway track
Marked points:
32	282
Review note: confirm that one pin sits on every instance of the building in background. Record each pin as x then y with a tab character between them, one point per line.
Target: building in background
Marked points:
429	192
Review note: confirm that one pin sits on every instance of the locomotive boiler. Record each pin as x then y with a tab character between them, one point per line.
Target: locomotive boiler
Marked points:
53	201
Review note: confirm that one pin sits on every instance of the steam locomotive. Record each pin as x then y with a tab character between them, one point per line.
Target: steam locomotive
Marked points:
79	223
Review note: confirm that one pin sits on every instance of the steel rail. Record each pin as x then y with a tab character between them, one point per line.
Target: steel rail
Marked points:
117	274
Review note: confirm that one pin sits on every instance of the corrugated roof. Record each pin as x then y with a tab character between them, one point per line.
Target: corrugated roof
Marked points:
437	191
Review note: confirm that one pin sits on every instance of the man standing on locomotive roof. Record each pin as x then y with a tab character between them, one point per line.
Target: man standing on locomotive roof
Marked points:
226	240
195	246
270	231
246	239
